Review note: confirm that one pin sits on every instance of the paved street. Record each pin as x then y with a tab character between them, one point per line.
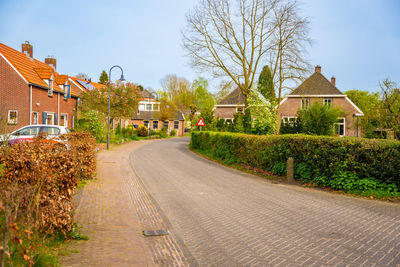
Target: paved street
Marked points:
227	218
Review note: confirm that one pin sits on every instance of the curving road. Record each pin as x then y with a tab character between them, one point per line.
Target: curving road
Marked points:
227	218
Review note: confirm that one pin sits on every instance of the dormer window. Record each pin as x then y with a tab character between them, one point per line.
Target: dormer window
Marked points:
67	91
50	91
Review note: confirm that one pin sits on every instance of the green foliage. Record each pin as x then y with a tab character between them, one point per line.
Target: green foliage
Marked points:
123	101
319	119
266	84
366	165
238	122
103	77
370	105
208	117
203	98
262	113
294	127
172	133
92	121
279	168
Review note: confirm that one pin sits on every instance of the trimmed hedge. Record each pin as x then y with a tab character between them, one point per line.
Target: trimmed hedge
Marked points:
316	157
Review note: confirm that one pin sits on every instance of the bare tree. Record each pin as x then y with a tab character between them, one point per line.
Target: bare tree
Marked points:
232	38
288	57
391	102
179	90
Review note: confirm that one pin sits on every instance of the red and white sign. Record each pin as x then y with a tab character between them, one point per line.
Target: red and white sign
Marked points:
201	122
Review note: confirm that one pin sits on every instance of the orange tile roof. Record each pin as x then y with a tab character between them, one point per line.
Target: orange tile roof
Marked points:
33	71
61	79
24	65
98	86
44	73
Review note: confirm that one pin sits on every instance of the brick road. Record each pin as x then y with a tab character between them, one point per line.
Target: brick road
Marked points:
113	211
227	218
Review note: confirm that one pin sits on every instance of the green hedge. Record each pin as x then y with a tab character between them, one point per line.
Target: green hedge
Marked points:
318	159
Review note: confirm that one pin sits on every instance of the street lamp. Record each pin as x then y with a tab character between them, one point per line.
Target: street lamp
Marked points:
109	96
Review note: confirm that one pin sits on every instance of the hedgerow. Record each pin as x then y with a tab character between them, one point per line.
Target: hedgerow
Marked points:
349	164
37	182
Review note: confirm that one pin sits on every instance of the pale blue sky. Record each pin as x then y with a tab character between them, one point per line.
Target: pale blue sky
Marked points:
358	41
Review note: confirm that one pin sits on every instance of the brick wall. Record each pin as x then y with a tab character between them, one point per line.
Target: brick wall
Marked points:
225	112
292	105
14	95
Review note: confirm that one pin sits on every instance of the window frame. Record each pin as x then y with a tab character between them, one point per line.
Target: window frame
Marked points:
66	119
287	121
52	116
155	123
307	101
328	101
9	119
35	116
176	125
338	124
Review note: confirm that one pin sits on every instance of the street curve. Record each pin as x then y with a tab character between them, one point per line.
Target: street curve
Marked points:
228	218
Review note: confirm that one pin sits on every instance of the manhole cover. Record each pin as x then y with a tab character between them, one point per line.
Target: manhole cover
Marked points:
155	232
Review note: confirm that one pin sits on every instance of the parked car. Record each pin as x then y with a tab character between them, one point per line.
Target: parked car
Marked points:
28	133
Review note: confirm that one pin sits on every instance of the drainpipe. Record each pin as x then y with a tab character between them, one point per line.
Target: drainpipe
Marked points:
30	104
58	109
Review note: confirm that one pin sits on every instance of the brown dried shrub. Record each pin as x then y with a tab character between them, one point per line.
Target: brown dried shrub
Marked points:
52	170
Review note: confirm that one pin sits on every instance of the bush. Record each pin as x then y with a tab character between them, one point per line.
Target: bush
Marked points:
326	161
91	121
319	119
172	133
142	131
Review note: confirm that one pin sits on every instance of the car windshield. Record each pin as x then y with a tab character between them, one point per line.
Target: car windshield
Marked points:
28	131
49	130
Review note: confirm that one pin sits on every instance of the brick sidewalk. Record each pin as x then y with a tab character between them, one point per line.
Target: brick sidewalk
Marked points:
113	211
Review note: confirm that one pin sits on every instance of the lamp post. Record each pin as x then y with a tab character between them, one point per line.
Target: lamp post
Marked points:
109	96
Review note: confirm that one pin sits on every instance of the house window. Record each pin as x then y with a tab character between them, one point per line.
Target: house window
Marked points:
64	120
142	107
305	103
156	107
176	124
50	91
12	117
146	123
165	125
328	101
50	119
35	117
155	125
67	91
148	107
289	120
340	127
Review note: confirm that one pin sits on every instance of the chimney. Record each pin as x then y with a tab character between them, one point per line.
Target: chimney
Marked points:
27	49
318	68
50	60
333	80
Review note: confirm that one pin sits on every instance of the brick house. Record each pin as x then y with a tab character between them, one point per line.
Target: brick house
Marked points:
229	106
32	92
149	115
317	88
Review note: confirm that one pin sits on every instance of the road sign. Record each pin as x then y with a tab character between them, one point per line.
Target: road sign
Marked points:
201	122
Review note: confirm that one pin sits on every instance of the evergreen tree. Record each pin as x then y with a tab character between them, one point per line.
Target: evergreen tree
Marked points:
103	77
266	85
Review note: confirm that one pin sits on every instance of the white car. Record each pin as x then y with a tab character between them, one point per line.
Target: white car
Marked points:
28	133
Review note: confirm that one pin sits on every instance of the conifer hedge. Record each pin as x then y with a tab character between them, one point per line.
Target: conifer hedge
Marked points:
317	158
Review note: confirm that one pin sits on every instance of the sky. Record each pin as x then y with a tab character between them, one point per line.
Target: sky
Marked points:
357	41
